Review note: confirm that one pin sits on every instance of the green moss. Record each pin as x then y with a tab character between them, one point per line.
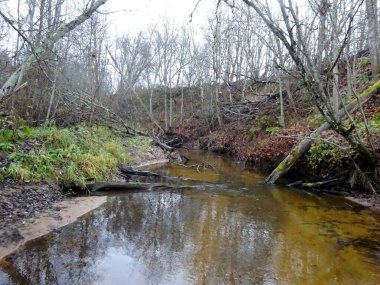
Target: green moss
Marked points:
374	124
315	119
281	167
324	156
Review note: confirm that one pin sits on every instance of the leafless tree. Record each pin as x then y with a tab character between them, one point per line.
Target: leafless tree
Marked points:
373	35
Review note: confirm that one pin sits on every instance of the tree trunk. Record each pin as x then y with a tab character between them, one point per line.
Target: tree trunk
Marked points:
52	95
299	150
373	36
182	97
282	116
62	30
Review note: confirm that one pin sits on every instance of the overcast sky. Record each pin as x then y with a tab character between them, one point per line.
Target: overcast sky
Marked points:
139	14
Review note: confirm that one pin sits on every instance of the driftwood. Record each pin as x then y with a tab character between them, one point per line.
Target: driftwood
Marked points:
162	145
176	142
94	187
320	187
299	150
200	166
315	185
128	171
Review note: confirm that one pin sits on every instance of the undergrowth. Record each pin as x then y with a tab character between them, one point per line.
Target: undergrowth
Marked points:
324	157
66	156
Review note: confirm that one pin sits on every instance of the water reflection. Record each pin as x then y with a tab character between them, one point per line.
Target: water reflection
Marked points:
246	233
152	238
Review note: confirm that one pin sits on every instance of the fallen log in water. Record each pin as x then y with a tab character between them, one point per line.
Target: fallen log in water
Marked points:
94	187
299	150
131	187
319	187
315	185
128	171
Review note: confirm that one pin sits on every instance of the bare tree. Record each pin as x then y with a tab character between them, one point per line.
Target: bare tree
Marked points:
373	36
291	32
39	51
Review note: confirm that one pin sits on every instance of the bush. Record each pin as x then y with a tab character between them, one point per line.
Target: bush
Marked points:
373	126
364	62
253	132
273	130
324	156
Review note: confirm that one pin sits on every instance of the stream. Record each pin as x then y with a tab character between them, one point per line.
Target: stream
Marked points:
220	225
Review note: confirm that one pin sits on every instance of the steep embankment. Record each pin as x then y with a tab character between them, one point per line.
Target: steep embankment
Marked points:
251	132
263	143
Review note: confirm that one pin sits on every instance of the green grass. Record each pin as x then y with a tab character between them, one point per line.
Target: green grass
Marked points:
364	62
374	124
67	156
273	130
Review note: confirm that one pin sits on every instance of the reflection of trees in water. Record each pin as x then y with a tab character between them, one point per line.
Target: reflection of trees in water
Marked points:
65	256
171	237
308	250
201	237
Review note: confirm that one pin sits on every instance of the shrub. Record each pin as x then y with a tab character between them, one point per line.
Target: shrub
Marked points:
364	62
254	131
324	156
273	130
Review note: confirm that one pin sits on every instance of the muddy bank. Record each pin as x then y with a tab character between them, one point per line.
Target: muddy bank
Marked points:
19	202
28	210
59	214
370	201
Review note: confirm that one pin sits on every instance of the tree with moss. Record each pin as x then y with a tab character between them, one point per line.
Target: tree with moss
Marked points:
292	31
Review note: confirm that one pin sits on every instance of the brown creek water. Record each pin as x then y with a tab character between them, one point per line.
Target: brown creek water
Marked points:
221	226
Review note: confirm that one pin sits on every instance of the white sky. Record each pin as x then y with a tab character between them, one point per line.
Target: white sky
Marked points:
140	14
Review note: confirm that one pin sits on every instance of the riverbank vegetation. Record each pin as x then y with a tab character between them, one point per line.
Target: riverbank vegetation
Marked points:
292	89
65	156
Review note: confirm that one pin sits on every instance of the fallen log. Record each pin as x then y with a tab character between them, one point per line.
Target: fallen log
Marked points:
176	142
299	150
162	145
95	187
315	185
130	171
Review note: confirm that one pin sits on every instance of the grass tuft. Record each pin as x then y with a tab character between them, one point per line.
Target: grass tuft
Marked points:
68	156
